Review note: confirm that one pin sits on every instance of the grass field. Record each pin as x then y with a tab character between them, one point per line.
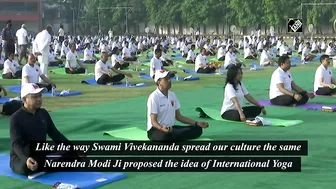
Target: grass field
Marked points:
104	108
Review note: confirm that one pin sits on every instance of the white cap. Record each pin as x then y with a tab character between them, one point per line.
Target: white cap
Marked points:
160	74
31	88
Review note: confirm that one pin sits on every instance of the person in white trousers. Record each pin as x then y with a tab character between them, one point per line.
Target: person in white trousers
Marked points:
43	40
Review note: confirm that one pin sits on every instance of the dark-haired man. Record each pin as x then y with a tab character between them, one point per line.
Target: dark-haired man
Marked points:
163	108
282	84
8	38
324	80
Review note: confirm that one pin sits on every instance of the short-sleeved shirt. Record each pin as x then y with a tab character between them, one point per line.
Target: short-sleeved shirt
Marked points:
155	64
230	93
100	65
322	72
32	72
200	61
280	76
228	58
10	64
164	107
72	59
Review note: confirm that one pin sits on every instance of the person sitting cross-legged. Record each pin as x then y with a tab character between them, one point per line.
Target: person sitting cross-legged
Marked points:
103	76
12	69
117	61
163	108
234	94
32	72
324	79
202	64
282	83
72	66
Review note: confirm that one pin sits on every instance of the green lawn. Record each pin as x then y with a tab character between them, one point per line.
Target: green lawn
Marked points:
104	108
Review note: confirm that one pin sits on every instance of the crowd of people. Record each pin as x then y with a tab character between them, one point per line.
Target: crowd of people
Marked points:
163	107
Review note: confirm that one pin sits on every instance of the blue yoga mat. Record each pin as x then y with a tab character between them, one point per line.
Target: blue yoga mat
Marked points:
3	100
149	57
193	72
92	81
192	78
177	55
84	180
17	89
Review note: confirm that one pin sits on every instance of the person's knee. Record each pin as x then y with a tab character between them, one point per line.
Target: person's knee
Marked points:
198	131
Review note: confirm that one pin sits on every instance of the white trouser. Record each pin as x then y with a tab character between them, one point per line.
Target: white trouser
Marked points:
44	62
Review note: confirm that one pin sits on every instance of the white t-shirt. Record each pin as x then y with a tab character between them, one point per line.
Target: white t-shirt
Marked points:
280	76
21	35
200	61
221	52
163	107
229	57
230	93
322	72
126	52
191	55
88	55
100	65
72	58
60	32
65	50
305	52
247	52
155	64
264	58
283	50
115	58
32	72
12	65
300	47
330	51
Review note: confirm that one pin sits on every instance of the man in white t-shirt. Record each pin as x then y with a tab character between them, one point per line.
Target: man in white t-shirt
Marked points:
249	54
126	53
43	40
282	85
72	66
89	56
221	53
306	56
191	55
22	41
163	108
61	34
231	59
324	79
103	76
12	69
31	73
202	64
265	58
156	64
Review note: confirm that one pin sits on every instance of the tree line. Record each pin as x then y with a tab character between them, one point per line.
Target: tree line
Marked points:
92	15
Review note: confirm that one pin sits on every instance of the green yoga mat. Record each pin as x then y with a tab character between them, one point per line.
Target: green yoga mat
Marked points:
215	114
62	71
133	133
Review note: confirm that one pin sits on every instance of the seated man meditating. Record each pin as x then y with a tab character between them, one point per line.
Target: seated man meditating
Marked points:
202	64
53	60
117	61
231	59
32	72
103	76
324	79
163	108
72	66
234	94
282	84
191	55
31	123
156	64
265	58
306	55
89	56
12	69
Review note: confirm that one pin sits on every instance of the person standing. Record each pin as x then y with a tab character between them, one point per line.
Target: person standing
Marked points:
8	39
61	34
22	40
43	40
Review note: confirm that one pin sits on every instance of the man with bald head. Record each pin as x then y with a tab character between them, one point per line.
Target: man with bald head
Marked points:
42	42
22	41
31	73
103	76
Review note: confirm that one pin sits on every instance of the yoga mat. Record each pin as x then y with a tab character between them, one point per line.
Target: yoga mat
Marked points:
3	100
84	180
92	81
133	133
17	89
177	55
305	106
215	114
62	71
192	78
189	71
